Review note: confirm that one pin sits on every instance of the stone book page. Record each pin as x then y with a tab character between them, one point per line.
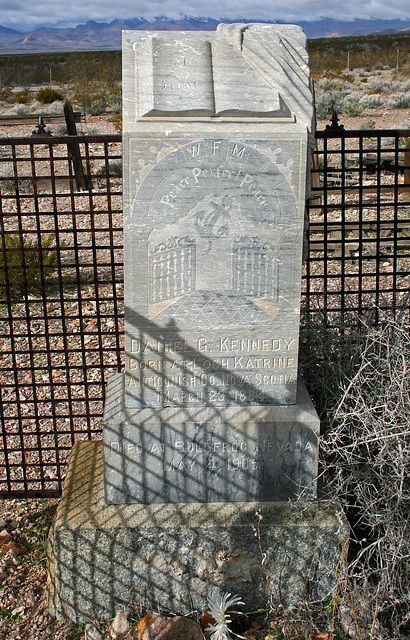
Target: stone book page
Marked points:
239	89
175	77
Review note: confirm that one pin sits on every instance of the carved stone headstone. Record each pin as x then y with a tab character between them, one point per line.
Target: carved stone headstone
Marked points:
216	131
208	432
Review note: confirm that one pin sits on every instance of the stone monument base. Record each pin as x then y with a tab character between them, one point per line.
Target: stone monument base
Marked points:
171	556
256	453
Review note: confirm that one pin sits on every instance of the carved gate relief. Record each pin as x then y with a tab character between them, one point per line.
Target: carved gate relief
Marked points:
217	213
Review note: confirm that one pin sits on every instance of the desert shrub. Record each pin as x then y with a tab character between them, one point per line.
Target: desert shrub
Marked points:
331	74
56	107
352	109
6	94
368	442
371	101
114	168
24	264
367	124
360	383
18	110
347	77
402	74
35	106
329	85
323	359
47	95
90	97
59	129
116	119
53	108
22	97
97	96
351	106
381	87
95	86
399	101
89	130
326	102
401	86
365	52
115	97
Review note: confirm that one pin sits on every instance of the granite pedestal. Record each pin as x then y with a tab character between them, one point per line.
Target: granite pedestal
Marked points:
106	557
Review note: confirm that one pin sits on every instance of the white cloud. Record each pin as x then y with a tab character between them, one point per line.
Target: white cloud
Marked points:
25	15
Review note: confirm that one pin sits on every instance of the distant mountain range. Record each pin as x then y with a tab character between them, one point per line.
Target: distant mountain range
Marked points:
104	36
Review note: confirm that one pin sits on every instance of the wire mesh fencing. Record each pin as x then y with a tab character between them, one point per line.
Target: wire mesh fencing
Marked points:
359	224
61	301
61	277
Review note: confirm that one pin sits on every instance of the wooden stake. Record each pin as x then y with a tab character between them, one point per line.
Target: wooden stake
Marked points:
74	147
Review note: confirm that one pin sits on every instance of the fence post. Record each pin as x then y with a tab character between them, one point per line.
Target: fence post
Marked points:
406	162
74	147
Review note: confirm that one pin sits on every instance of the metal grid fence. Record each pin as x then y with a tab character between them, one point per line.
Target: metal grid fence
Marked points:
61	277
61	292
359	224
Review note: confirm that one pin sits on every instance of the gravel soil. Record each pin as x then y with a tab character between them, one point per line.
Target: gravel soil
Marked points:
23	607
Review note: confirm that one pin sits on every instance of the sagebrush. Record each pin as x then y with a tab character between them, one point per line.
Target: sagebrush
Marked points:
359	378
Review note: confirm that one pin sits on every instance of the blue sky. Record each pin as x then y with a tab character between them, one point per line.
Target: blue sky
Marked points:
28	15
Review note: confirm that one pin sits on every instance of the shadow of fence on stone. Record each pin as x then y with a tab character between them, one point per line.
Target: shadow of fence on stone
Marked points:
171	511
170	557
211	435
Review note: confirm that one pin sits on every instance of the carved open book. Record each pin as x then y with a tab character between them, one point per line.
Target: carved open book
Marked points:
228	73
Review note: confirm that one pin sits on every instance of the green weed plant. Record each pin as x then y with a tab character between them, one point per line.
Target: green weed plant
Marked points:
47	95
22	97
25	266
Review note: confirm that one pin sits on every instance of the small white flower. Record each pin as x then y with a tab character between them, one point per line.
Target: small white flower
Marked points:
218	606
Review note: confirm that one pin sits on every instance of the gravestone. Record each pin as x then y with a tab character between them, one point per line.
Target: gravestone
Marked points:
209	431
216	132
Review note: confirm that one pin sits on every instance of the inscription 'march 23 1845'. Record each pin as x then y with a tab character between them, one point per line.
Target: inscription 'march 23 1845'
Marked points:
214	222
